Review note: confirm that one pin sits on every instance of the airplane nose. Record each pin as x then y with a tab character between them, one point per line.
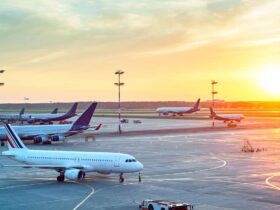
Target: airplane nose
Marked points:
140	166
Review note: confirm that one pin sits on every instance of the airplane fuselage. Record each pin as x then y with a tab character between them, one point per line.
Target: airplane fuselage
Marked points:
100	162
29	131
230	117
10	116
41	116
176	110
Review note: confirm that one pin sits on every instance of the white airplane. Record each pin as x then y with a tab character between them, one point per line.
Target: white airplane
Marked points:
47	133
227	118
180	111
70	164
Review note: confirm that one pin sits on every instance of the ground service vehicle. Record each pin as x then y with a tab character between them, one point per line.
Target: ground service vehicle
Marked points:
163	205
124	120
137	121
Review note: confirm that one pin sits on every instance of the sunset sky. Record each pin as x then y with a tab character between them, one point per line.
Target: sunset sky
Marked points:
68	50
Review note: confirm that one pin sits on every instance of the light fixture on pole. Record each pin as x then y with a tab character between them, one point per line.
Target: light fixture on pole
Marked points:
213	83
119	84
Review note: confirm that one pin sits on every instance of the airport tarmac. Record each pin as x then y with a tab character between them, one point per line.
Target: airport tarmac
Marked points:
204	169
110	124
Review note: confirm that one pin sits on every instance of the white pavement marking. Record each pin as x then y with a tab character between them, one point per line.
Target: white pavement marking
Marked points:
224	163
267	181
87	197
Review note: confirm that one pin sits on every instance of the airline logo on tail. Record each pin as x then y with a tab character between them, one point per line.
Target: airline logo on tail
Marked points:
13	139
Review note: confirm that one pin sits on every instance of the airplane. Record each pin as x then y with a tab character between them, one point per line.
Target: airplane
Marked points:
69	164
11	118
47	133
227	118
180	111
50	118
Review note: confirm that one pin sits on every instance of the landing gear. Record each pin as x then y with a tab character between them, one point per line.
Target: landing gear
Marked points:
121	178
60	178
139	178
2	144
83	175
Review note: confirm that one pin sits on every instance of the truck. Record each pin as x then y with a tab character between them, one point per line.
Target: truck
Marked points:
124	120
150	204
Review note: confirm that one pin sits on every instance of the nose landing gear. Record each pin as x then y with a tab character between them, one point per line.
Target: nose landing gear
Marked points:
121	178
139	178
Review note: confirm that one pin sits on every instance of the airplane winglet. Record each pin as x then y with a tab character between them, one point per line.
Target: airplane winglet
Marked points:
98	127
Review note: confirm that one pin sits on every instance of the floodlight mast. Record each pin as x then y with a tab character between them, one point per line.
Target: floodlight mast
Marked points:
119	84
2	84
213	83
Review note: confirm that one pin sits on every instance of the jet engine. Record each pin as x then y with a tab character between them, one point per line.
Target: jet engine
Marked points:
40	139
57	138
31	121
74	174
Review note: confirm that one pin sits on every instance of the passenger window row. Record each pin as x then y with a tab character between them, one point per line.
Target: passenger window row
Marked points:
61	158
53	158
97	160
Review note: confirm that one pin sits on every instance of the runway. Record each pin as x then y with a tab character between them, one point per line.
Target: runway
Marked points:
204	169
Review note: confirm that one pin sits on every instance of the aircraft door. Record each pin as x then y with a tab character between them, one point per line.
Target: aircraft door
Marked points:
117	161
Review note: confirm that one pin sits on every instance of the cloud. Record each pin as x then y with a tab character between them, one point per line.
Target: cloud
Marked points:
46	57
141	27
248	24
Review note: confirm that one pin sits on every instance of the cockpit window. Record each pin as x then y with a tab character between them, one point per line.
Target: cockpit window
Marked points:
130	160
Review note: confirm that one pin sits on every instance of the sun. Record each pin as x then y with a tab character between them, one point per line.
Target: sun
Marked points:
270	80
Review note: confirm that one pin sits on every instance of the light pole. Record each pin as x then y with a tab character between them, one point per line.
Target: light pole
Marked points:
2	84
119	84
213	83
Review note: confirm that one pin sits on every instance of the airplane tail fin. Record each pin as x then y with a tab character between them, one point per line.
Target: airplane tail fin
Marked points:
54	111
21	111
14	141
213	114
196	106
72	110
84	120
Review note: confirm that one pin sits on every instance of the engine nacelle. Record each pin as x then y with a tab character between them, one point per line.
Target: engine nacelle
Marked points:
40	139
74	174
57	138
30	121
